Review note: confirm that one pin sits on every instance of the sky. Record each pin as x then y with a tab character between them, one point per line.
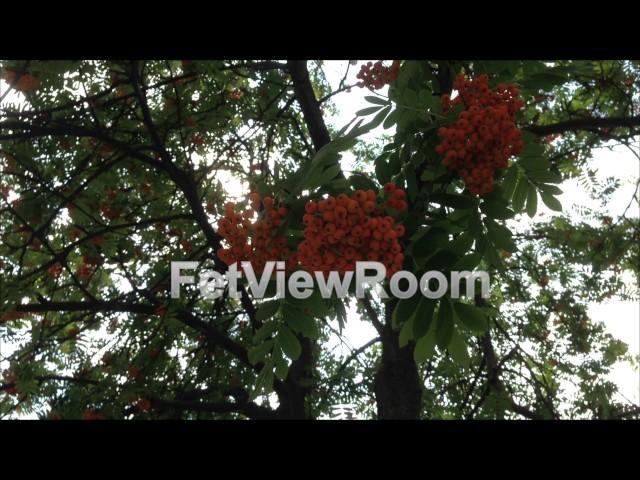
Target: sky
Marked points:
622	319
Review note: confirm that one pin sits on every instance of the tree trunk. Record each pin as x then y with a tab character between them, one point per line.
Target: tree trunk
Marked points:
293	403
397	384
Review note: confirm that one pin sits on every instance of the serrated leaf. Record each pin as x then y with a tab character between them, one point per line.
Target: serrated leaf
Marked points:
300	322
412	184
532	201
259	352
424	317
404	311
468	262
362	182
391	119
406	332
444	324
376	100
550	201
520	194
290	345
461	244
367	111
281	368
496	210
509	181
471	317
425	347
500	236
454	200
458	349
267	310
550	189
383	170
264	332
545	176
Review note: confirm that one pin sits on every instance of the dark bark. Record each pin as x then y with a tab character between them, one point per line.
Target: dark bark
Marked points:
588	123
293	403
308	103
397	385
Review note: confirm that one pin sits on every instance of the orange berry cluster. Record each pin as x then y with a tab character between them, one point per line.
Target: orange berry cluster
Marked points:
23	83
342	230
254	241
485	134
375	75
10	379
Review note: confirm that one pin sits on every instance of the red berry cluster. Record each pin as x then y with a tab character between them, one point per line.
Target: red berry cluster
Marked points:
485	135
22	83
375	75
342	230
10	379
254	241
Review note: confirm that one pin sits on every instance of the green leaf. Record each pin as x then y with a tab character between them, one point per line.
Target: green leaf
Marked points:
440	260
490	254
412	184
423	318
264	381
501	236
532	156
391	119
289	343
324	177
545	176
468	262
281	368
520	194
458	349
406	332
495	209
376	100
425	348
405	310
550	201
444	324
314	305
475	225
367	111
377	120
509	181
461	244
550	189
454	200
471	317
267	310
259	352
427	244
362	182
383	169
300	322
264	331
532	202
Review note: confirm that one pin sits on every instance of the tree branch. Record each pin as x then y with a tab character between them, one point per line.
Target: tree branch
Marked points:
308	102
583	124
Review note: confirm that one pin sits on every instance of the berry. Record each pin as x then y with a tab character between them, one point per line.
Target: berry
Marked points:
255	240
342	231
144	404
485	134
376	76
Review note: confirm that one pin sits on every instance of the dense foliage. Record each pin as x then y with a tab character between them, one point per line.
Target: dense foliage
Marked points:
110	170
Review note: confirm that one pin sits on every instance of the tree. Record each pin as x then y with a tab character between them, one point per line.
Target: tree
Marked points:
113	169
